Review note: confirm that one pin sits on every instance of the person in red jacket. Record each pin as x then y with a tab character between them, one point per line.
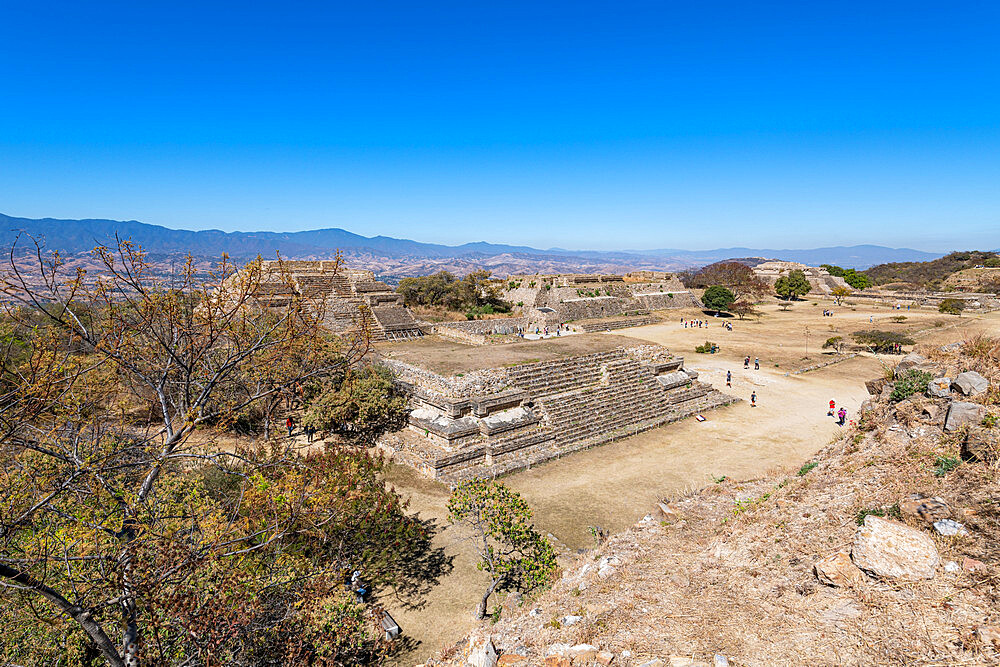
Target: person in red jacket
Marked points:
833	406
290	424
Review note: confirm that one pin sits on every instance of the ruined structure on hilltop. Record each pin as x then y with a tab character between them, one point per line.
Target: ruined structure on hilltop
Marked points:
352	300
590	300
819	278
497	420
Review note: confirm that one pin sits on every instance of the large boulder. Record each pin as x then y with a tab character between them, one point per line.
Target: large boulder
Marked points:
892	550
971	383
962	414
482	653
939	387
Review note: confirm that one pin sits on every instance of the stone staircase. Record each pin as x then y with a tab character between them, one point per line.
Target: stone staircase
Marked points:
612	324
555	377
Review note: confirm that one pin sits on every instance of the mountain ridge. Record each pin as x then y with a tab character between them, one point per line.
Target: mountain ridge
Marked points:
82	235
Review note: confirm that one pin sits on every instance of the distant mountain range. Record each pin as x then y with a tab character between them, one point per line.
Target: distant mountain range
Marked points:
391	256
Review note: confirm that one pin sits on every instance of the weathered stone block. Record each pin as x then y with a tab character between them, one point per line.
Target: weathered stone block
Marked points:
890	549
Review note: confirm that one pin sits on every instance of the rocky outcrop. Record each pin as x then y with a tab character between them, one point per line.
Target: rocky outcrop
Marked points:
971	383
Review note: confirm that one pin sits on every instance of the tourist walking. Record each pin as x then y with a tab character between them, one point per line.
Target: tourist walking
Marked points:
746	363
833	406
756	364
729	378
842	414
290	424
753	400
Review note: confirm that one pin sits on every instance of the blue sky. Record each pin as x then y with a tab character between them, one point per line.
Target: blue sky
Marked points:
580	125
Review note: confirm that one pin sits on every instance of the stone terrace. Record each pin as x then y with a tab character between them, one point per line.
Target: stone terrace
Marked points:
494	421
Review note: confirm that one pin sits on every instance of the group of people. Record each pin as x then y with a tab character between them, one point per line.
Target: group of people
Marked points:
840	414
896	348
827	313
756	363
694	324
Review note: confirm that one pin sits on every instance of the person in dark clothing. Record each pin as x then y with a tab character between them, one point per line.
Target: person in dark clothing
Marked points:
753	400
290	424
729	378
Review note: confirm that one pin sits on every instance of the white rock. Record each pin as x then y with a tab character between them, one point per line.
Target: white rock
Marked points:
571	620
952	566
557	649
535	612
950	527
606	571
939	388
482	653
720	661
891	549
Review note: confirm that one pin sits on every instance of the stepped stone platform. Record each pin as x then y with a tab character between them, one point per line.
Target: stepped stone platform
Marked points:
560	298
352	301
494	421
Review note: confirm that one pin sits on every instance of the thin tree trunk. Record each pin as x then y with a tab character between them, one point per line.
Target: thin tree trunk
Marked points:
486	597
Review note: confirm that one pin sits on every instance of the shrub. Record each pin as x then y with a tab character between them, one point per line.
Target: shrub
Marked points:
792	286
706	348
835	342
913	382
952	306
806	468
945	464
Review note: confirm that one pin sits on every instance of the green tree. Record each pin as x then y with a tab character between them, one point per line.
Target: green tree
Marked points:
856	279
881	341
951	306
511	552
359	405
792	286
717	298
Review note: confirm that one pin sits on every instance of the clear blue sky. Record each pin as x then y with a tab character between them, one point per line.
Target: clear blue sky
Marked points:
581	125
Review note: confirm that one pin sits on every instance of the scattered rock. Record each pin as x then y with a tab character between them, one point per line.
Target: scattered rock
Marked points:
557	661
537	611
971	565
482	653
667	512
571	620
605	657
971	383
557	649
510	659
606	571
875	386
961	414
581	654
933	413
939	388
952	566
988	634
655	662
949	527
720	661
926	509
890	549
981	444
838	570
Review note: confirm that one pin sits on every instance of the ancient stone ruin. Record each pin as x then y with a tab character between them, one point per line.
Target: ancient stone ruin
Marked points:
350	300
497	420
597	302
819	278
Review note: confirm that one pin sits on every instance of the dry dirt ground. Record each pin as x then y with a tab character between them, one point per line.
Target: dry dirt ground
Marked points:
448	357
615	484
